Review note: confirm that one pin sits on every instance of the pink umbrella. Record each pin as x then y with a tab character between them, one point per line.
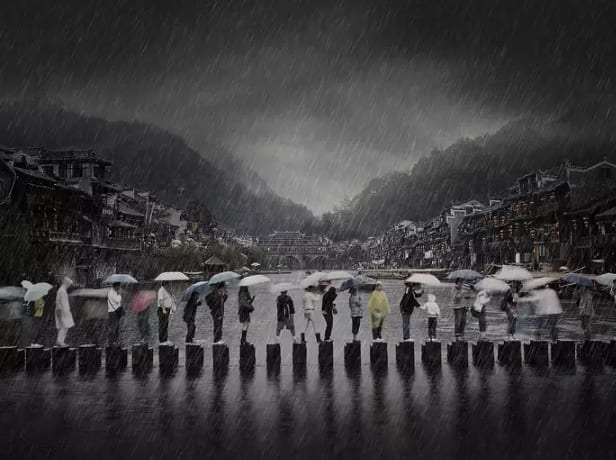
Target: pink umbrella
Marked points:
142	300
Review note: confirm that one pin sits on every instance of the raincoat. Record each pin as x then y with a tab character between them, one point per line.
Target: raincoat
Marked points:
378	306
64	317
431	307
166	300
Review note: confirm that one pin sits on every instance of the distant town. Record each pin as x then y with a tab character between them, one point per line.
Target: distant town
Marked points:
60	213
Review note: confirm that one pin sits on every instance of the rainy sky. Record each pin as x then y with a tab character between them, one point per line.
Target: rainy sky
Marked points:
316	96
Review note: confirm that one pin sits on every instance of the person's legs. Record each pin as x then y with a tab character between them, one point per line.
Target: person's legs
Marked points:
112	332
553	326
458	328
190	330
244	332
586	326
511	320
482	325
462	324
329	324
291	325
380	328
406	320
217	328
355	322
61	339
279	327
162	325
432	328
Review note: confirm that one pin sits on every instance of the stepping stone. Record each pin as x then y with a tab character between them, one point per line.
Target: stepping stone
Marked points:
299	356
90	358
405	357
142	358
536	353
10	360
220	357
194	358
563	354
326	355
116	358
273	358
352	355
63	359
38	359
483	354
247	357
431	354
510	354
457	354
378	355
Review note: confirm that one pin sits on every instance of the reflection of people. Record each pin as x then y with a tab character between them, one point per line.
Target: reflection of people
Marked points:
407	304
166	306
311	301
285	311
433	311
114	306
64	317
216	302
190	312
329	308
479	312
244	310
356	311
379	309
586	310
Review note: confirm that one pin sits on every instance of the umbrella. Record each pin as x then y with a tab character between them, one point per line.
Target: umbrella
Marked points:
120	278
546	302
91	293
37	291
337	275
423	278
255	264
26	284
142	300
513	273
607	279
538	282
254	280
202	287
172	276
468	275
490	284
357	282
282	287
580	280
12	293
312	280
224	277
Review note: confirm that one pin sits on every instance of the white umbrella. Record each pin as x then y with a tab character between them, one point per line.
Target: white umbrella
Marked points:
26	284
172	276
224	277
91	293
546	302
337	275
254	280
423	278
37	291
490	284
255	264
312	280
120	278
12	293
538	282
282	287
513	273
607	279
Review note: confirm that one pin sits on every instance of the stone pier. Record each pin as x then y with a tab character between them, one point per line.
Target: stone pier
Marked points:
405	357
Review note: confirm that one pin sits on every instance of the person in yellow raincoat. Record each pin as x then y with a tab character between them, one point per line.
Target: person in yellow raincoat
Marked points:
378	306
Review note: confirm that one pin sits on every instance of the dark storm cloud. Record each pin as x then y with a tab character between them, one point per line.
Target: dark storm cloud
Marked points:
318	97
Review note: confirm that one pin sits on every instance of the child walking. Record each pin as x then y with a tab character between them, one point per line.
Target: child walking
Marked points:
433	311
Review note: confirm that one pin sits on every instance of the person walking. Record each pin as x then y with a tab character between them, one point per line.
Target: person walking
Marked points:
356	311
285	311
64	317
459	310
548	308
508	305
166	306
114	314
311	301
433	311
190	313
479	312
143	324
586	310
328	308
245	302
407	304
378	306
216	302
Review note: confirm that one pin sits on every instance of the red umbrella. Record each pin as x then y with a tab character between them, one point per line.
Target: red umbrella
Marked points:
142	300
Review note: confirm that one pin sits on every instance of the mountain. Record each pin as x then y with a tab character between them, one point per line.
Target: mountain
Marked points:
150	158
477	168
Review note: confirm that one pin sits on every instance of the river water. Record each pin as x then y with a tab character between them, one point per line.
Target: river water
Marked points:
430	414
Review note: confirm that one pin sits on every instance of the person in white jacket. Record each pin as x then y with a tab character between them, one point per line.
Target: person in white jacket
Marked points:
433	311
311	303
479	312
166	306
114	307
64	317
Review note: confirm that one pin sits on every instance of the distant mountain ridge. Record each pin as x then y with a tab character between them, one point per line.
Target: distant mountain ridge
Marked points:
147	157
477	168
